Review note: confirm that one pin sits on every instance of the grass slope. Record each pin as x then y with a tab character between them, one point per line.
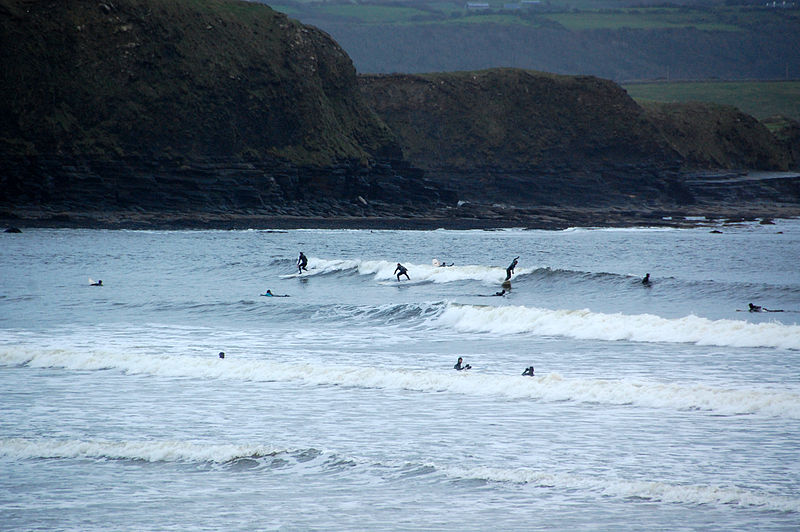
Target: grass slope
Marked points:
760	99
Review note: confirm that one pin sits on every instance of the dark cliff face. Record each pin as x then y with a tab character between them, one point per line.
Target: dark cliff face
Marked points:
172	78
513	119
718	136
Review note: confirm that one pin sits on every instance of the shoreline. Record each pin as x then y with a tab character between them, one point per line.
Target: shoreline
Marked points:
545	218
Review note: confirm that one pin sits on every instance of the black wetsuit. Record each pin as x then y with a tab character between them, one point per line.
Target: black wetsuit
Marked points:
510	269
459	366
301	263
528	372
401	270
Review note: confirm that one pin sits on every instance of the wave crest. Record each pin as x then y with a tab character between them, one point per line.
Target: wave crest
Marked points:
587	325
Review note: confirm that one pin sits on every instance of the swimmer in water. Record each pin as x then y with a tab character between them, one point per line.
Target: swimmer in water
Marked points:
460	365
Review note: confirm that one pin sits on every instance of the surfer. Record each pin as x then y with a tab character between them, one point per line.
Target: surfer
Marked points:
98	283
438	264
270	294
221	354
460	365
401	270
646	280
501	292
756	308
302	262
510	268
528	371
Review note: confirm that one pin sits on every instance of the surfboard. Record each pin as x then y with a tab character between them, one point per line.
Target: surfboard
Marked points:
293	275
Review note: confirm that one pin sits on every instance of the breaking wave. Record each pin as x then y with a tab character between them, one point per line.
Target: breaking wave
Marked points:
552	387
661	491
584	324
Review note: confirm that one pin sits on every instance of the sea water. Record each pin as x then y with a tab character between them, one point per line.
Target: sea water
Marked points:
666	406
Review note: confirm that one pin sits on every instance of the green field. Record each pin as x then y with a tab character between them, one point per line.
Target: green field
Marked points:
760	99
590	16
642	19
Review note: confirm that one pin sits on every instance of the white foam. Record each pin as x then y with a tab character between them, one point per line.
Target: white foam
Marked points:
149	451
384	271
658	491
584	324
193	452
551	388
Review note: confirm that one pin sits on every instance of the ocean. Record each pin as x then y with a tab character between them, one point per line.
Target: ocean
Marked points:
666	406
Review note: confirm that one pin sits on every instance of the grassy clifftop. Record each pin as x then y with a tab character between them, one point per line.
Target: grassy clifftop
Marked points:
178	78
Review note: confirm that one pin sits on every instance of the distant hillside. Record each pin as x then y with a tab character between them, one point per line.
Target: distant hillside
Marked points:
761	99
178	78
710	41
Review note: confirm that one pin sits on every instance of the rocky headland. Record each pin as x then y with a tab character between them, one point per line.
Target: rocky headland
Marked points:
158	113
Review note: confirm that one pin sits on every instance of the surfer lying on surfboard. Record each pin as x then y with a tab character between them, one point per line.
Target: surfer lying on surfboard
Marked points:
269	293
756	308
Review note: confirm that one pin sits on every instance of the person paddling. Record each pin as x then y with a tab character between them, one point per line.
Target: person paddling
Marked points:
460	365
270	294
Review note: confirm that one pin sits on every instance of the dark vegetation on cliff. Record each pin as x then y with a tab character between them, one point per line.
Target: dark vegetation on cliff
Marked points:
718	136
183	79
526	138
229	107
515	119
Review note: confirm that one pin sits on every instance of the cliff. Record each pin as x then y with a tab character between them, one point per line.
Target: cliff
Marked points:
718	136
208	106
517	119
220	108
184	79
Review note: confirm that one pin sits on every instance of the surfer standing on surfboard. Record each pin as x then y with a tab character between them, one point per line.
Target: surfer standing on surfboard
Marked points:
302	262
401	270
510	268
